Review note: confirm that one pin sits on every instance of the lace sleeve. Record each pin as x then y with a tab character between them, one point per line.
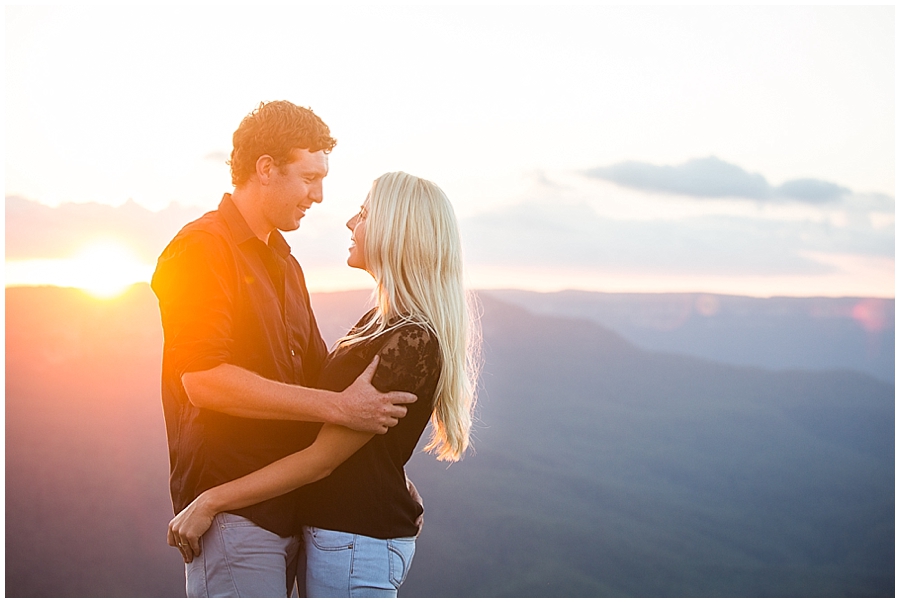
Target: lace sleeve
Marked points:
410	361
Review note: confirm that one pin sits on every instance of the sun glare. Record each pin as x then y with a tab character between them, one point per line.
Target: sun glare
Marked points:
104	269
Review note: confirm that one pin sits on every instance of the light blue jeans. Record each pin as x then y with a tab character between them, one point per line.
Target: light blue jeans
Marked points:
241	559
339	564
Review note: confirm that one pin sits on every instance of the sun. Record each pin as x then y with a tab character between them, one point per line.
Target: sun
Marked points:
106	269
103	269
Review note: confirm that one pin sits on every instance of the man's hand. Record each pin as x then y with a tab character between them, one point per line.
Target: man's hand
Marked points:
361	407
420	520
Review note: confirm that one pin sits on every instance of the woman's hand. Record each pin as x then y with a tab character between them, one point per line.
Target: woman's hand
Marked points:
188	526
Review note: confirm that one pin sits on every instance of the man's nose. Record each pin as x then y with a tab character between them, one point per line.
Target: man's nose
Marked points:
316	193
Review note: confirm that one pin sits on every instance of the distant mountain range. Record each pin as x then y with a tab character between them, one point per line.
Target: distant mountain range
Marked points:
601	467
775	333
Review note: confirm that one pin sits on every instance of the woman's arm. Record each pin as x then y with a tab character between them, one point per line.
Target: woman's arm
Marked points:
333	446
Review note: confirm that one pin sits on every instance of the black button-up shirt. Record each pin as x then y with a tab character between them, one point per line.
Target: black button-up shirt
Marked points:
226	297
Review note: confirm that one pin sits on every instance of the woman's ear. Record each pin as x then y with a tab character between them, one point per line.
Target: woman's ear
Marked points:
264	166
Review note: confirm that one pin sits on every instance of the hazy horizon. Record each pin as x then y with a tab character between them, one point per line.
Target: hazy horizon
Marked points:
120	292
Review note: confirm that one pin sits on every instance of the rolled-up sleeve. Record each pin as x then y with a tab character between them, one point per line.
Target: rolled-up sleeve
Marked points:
195	283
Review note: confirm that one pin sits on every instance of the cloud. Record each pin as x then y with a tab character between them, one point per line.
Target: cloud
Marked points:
574	235
36	231
713	178
547	232
811	190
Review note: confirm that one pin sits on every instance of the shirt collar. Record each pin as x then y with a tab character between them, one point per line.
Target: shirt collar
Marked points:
241	232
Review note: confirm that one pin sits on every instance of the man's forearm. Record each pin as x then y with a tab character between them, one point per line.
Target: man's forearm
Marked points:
236	391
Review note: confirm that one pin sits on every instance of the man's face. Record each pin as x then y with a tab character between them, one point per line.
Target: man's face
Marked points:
293	188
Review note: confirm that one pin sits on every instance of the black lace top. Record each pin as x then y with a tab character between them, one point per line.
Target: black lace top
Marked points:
367	494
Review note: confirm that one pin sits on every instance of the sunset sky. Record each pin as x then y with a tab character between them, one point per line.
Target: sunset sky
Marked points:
745	150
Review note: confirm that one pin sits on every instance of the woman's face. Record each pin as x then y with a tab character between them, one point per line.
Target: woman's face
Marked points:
357	226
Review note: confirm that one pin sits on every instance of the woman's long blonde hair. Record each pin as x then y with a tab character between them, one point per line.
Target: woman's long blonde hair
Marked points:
413	250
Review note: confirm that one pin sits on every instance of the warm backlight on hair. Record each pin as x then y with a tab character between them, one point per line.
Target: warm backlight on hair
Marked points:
103	269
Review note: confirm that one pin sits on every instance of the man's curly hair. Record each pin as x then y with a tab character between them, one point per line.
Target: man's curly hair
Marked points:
275	129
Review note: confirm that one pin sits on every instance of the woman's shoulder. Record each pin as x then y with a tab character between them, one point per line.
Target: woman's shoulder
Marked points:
408	337
409	354
400	333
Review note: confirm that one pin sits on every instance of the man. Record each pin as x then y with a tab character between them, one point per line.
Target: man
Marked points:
241	347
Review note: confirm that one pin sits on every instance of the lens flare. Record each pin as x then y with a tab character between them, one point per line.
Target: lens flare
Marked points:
104	269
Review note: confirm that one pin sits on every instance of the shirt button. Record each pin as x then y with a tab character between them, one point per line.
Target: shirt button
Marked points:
292	352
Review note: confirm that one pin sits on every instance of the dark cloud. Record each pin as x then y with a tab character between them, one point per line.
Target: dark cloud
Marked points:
710	177
811	190
713	178
34	230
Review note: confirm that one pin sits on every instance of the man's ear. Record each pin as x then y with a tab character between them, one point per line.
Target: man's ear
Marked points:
264	166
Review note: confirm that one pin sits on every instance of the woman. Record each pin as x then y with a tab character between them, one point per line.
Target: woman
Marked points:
360	520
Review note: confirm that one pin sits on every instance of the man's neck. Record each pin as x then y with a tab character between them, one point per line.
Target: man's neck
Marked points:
248	204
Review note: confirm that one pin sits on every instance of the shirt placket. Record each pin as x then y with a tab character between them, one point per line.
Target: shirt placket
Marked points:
294	330
279	274
275	268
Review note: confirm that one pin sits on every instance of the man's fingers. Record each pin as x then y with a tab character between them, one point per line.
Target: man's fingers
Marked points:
170	537
373	411
400	398
397	401
367	374
395	413
395	409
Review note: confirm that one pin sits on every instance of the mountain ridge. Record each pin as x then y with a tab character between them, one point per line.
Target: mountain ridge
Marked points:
600	468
